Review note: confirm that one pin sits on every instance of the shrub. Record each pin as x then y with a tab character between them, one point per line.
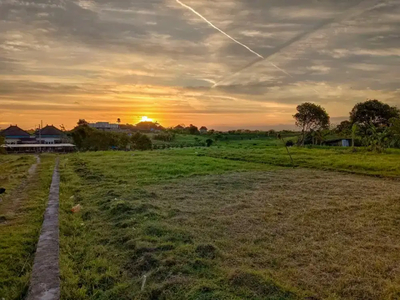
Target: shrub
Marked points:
209	142
289	143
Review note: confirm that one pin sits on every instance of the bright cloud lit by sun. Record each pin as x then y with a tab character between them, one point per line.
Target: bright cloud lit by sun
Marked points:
146	119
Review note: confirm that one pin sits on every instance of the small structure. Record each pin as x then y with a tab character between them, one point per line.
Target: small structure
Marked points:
203	129
14	135
338	142
179	127
39	148
106	126
49	135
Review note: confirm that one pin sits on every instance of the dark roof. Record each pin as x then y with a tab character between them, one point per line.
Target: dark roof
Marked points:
14	131
335	141
179	127
49	130
203	128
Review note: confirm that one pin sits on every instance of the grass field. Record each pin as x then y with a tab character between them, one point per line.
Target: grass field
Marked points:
233	221
21	215
201	227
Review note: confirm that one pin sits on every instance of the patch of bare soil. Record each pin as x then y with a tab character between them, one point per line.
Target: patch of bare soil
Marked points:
331	234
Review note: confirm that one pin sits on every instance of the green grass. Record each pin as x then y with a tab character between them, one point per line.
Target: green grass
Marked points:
120	235
196	223
324	158
14	168
22	211
233	221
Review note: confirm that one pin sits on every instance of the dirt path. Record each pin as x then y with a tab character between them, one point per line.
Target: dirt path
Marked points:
45	279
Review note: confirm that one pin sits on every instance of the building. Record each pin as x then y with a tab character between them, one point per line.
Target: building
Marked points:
39	148
49	135
338	142
203	129
106	126
14	135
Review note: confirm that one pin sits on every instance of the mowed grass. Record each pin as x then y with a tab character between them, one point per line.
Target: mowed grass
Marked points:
13	169
21	214
179	224
323	158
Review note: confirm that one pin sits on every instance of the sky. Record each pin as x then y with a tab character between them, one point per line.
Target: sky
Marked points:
225	64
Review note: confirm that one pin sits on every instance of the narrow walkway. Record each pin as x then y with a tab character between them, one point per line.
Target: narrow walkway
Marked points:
45	278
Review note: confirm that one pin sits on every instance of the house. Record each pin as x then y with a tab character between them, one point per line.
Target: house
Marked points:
15	135
338	142
49	135
203	129
106	126
38	148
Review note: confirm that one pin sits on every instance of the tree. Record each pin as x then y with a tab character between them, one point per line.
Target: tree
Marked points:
344	128
309	117
373	112
209	142
2	141
143	143
193	129
82	122
118	120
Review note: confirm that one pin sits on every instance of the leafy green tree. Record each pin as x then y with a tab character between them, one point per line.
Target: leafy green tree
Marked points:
209	142
143	143
373	112
344	128
310	117
193	129
377	140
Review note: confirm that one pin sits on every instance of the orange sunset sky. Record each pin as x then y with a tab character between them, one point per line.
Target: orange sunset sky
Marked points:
223	64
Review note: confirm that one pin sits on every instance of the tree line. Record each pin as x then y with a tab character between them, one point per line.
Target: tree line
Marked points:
372	123
89	139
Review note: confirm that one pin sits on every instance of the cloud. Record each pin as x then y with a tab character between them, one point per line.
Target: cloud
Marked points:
106	59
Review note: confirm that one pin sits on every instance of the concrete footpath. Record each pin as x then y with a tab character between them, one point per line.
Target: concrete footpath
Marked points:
45	278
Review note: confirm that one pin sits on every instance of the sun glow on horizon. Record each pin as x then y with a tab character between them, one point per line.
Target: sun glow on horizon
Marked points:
146	119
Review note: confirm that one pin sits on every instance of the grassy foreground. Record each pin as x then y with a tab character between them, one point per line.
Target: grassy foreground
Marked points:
21	216
182	224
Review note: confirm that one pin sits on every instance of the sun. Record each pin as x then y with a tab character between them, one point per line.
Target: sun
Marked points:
146	119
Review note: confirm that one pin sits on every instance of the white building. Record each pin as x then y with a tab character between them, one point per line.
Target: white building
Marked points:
104	126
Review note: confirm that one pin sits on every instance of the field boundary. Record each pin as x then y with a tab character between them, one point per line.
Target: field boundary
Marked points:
45	279
298	166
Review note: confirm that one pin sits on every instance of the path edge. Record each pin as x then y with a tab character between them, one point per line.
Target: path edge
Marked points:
45	277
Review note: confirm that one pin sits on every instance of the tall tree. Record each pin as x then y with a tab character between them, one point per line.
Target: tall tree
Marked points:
309	117
193	129
82	122
344	128
373	112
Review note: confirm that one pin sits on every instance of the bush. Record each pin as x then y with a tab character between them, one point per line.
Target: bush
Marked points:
143	143
90	139
289	143
209	142
165	136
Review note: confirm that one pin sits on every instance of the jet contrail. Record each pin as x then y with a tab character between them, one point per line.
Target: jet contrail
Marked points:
215	27
230	37
349	13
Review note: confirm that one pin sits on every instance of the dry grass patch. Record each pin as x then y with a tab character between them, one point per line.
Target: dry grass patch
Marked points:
329	235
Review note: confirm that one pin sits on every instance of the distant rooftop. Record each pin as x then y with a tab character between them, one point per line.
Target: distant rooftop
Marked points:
14	130
49	130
